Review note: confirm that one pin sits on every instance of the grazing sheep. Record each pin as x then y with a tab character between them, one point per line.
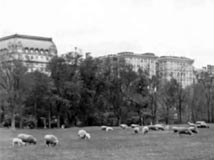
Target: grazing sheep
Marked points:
185	131
176	129
167	127
18	141
191	124
109	129
103	128
106	128
134	125
87	136
27	138
193	129
51	140
159	127
202	124
83	134
156	127
124	126
136	130
145	130
152	127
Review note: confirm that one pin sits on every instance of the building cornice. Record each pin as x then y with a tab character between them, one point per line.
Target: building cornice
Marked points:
26	37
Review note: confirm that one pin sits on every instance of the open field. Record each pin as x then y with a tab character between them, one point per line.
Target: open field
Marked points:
116	145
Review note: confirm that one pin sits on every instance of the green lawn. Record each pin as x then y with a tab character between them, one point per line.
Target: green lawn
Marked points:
115	145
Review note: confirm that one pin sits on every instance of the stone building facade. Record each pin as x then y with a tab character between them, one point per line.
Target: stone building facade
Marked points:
35	52
146	62
180	68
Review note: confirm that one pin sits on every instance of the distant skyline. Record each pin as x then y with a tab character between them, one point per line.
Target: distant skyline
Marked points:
166	27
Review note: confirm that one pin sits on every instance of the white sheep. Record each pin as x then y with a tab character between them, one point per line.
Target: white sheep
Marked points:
186	131
145	130
103	128
83	134
18	141
87	136
109	129
27	138
191	124
202	124
51	140
134	125
124	126
159	127
136	130
193	129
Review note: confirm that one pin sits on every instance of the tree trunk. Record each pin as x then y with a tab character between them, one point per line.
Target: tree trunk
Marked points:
49	117
167	115
58	120
13	121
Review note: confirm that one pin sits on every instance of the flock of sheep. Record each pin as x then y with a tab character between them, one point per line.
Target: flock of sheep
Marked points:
52	140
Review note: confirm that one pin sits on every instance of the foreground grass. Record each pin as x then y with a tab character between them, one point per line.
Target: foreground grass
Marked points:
116	145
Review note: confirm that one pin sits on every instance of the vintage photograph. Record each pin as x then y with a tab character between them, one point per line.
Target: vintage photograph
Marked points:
107	80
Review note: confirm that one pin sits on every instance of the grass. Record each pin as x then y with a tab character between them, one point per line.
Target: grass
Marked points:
115	145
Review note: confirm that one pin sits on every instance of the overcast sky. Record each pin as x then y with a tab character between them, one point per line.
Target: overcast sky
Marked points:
164	27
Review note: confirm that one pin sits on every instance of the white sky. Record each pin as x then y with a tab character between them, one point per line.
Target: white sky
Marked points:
164	27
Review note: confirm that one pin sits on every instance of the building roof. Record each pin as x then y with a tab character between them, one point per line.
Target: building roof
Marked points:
27	41
175	58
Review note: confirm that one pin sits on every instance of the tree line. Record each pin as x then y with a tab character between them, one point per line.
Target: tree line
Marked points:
89	91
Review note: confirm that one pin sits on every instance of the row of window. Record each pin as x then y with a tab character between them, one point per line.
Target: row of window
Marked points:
37	57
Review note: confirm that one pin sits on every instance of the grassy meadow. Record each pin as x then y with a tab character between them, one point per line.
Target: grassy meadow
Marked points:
114	145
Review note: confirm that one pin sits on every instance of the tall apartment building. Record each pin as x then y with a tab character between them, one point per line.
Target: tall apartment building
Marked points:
210	69
180	68
35	52
146	61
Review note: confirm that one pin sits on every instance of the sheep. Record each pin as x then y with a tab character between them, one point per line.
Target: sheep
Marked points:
182	130
109	129
145	130
159	127
18	141
83	134
106	128
136	130
191	124
103	128
124	126
186	131
27	138
156	127
202	124
134	125
193	129
167	127
51	140
87	136
176	129
152	127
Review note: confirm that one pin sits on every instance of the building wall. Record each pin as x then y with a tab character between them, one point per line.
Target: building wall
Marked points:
146	62
180	68
35	52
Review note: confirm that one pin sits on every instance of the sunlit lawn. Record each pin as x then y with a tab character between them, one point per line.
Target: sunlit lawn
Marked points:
116	145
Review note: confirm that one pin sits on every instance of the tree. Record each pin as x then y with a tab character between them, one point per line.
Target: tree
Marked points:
140	95
38	91
119	77
207	81
12	84
168	96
